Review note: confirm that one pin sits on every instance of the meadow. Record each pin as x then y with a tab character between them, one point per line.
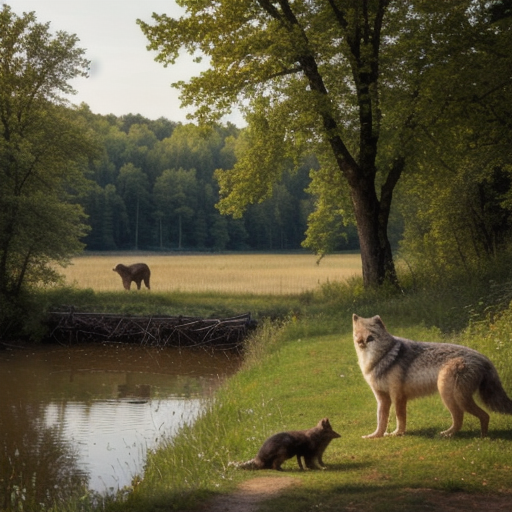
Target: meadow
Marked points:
275	274
292	377
301	366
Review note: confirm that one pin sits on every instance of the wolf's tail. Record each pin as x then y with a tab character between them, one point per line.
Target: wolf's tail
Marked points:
492	393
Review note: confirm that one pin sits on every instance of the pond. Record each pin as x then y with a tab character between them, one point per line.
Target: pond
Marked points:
87	415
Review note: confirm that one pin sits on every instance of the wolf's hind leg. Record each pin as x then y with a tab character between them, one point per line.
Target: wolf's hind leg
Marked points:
457	388
450	394
470	406
457	419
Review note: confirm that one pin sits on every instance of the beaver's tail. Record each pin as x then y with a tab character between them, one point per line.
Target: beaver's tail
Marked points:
250	464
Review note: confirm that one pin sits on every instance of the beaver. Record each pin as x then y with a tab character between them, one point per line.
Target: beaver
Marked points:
137	272
309	444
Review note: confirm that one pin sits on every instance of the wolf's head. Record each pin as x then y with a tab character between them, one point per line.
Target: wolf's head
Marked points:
367	330
371	340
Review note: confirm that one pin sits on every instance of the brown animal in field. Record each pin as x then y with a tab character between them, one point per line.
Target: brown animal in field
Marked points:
309	444
137	273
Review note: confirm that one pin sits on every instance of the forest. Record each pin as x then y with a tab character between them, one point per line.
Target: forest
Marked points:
153	187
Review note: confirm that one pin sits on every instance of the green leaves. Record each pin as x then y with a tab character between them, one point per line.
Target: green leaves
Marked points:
261	152
304	74
377	90
43	151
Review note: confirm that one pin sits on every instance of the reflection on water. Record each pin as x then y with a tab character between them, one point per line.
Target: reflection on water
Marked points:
28	450
78	417
112	438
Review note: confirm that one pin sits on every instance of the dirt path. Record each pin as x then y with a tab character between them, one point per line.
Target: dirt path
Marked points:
251	493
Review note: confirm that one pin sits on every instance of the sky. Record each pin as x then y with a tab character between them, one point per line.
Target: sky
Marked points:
124	76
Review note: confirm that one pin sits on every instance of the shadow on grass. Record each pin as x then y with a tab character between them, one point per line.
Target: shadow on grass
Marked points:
332	497
358	498
349	466
295	470
435	433
500	434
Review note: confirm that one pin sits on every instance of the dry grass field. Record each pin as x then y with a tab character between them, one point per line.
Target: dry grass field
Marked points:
277	274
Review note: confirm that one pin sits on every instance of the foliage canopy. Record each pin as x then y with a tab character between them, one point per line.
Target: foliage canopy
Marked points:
363	84
43	152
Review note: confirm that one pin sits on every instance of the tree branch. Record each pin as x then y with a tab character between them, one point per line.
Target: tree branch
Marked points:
270	9
291	71
338	13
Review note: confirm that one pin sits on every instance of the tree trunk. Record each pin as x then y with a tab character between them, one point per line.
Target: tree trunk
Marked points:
372	222
137	225
179	232
371	214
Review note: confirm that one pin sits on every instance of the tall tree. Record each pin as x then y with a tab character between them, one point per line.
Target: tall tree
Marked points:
175	194
133	186
307	71
43	151
458	191
350	77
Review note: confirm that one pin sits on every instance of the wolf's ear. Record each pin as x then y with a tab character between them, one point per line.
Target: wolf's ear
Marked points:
377	319
355	318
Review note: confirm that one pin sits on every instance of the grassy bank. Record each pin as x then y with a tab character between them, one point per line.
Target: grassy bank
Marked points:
239	283
296	375
448	305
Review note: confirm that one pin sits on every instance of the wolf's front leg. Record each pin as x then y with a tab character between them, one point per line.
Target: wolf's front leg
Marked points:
383	407
401	416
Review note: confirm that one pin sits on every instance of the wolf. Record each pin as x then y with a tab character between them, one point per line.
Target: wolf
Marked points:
398	369
308	444
137	273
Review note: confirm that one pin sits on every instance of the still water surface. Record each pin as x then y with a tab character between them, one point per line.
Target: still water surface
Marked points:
87	415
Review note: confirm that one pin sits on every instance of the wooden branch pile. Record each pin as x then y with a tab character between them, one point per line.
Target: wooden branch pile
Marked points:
172	331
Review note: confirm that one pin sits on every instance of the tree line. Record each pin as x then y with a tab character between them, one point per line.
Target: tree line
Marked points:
154	187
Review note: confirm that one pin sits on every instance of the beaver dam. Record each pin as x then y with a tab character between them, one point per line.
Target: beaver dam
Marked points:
162	331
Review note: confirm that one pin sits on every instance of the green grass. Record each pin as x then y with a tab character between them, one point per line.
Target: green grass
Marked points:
290	382
206	304
448	307
302	367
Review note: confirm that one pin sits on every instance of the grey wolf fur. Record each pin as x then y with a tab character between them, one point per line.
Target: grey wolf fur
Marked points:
398	370
309	444
137	273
